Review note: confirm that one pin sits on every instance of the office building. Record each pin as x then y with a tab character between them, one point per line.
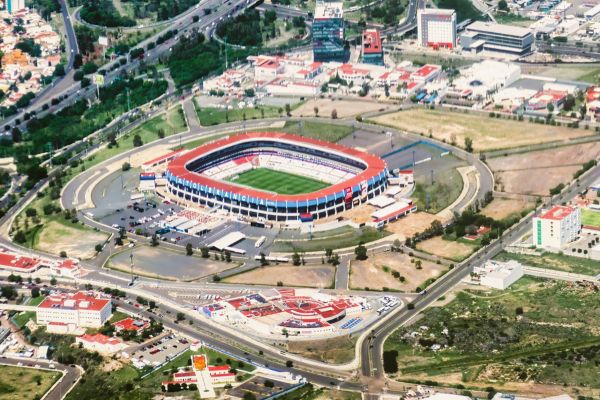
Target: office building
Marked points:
489	36
372	50
555	228
328	32
12	6
436	28
78	310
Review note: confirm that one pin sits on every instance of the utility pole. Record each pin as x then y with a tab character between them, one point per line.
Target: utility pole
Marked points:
131	263
128	105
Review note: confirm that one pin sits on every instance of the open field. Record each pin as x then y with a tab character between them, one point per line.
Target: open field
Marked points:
309	392
411	224
587	72
317	130
449	249
77	240
486	133
500	209
25	383
348	238
344	108
555	261
169	123
537	172
278	181
590	217
446	188
484	340
321	276
375	273
335	351
214	116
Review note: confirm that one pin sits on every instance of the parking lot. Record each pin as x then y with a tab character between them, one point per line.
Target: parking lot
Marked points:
159	352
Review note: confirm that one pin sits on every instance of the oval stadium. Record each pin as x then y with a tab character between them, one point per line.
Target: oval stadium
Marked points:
277	176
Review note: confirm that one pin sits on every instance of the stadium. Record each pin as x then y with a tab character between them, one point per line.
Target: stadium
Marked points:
277	176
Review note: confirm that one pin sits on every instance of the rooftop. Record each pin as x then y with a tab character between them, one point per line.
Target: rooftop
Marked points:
558	213
17	261
371	41
77	301
325	10
498	29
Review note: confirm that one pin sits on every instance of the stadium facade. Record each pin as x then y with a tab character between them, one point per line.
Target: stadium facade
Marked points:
353	176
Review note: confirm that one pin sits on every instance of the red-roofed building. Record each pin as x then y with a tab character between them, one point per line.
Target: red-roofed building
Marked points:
18	263
80	310
556	227
100	343
426	73
218	375
68	267
542	99
350	73
130	324
372	50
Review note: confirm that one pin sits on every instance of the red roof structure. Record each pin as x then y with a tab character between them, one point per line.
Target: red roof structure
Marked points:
371	41
79	301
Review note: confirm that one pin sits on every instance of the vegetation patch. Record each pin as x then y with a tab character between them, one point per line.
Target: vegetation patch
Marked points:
25	383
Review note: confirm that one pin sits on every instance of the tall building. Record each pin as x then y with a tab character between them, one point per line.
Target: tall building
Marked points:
436	28
556	227
496	37
328	32
372	51
12	6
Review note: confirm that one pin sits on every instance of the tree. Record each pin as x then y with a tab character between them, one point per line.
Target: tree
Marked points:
269	384
180	316
154	241
20	237
59	70
334	114
228	256
289	363
31	212
98	248
137	140
204	251
296	259
316	109
550	108
126	166
263	260
63	254
469	144
189	249
503	5
361	252
16	134
53	281
35	292
288	110
249	396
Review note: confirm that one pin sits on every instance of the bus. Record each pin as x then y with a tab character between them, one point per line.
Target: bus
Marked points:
260	242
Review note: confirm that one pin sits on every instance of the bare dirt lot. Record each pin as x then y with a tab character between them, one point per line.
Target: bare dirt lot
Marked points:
411	224
451	250
502	208
487	133
344	108
309	276
76	241
336	351
539	171
376	272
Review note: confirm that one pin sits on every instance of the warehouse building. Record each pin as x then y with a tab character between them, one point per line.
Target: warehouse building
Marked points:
489	36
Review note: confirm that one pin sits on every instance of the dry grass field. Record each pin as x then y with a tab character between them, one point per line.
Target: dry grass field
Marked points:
77	242
537	172
321	276
502	208
411	224
448	249
344	108
335	351
487	133
376	272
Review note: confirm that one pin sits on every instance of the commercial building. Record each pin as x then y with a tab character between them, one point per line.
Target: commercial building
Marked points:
556	227
205	377
499	275
18	263
372	50
496	37
328	32
12	6
131	324
436	28
78	310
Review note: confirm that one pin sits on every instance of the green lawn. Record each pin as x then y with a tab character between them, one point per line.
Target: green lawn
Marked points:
35	301
214	116
338	241
447	186
118	316
277	181
590	217
25	383
22	318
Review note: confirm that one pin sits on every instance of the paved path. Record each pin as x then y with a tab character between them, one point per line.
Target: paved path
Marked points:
559	275
191	115
342	274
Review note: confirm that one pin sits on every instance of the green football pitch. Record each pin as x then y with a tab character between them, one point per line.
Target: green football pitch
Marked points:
277	181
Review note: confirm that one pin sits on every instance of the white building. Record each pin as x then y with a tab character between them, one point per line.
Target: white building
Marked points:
499	275
556	227
436	28
100	343
79	310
